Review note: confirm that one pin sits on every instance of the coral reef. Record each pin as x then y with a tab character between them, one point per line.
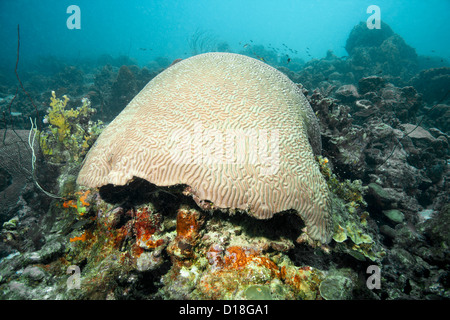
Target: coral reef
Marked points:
69	81
123	89
113	88
13	172
122	253
361	36
352	233
21	204
28	173
338	285
144	140
380	50
369	135
385	160
433	83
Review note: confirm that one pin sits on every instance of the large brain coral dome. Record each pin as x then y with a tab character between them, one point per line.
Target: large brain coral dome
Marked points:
234	129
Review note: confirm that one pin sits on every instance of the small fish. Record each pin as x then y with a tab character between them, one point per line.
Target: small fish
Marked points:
143	49
433	51
261	58
251	41
246	45
288	60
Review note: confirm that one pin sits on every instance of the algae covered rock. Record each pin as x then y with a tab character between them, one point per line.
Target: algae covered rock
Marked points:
361	36
438	227
347	93
375	51
338	285
433	84
351	231
371	84
258	292
394	215
381	196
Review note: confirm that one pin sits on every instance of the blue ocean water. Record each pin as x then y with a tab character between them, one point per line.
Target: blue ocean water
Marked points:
144	30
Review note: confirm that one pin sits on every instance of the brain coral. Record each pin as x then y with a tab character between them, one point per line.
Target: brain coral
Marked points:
232	128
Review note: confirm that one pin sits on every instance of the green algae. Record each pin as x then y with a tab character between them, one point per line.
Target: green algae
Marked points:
258	292
351	231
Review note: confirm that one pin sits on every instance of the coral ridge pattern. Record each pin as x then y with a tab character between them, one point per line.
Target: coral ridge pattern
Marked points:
232	128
